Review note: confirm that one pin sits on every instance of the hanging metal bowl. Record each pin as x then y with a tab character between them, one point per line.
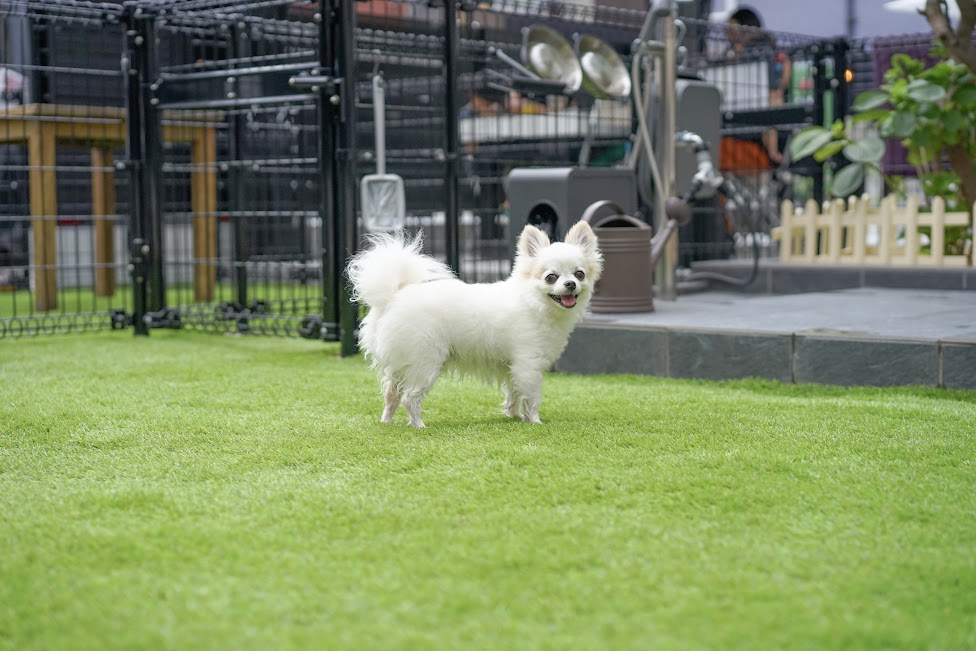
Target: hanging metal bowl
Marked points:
604	74
548	54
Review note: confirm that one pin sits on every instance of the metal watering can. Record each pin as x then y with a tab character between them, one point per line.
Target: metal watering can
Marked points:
630	254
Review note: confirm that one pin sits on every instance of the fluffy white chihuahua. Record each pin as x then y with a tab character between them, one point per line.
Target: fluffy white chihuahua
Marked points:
423	322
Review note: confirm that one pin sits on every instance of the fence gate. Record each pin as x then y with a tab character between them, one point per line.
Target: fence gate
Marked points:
240	160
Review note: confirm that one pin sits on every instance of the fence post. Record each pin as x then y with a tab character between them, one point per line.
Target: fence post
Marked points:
786	230
859	208
451	125
810	214
937	239
133	68
887	229
337	161
834	236
237	177
911	231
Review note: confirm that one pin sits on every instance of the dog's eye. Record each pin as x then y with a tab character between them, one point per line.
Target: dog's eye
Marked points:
551	278
579	275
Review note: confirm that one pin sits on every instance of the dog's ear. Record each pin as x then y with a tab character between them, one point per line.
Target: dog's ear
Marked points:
531	241
582	235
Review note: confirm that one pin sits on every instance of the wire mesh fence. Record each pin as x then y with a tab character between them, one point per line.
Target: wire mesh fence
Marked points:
63	235
173	163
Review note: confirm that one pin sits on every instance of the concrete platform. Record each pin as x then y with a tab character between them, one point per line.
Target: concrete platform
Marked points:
862	336
775	277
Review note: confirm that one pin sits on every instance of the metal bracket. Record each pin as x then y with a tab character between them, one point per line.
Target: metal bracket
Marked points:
241	314
120	319
314	327
166	318
316	83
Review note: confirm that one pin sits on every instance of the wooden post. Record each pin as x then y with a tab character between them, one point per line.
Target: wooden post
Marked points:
44	213
938	231
911	231
204	205
786	232
859	208
887	229
835	232
810	213
103	219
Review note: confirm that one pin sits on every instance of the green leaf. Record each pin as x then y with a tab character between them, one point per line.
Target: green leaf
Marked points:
848	180
954	121
877	116
869	150
829	150
900	125
921	90
965	97
907	64
870	99
808	141
940	74
922	138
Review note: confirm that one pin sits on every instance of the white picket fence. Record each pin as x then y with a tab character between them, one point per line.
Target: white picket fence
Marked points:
857	233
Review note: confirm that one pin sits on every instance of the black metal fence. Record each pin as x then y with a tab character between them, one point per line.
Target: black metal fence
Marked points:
197	163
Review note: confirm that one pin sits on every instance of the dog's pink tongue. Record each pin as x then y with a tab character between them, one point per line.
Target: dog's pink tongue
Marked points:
568	301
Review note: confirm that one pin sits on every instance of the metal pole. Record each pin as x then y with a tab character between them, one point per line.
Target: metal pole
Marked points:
152	133
131	66
338	99
665	288
451	135
236	176
328	114
820	116
840	83
851	18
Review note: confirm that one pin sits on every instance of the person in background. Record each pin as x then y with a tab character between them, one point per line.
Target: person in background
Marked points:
747	41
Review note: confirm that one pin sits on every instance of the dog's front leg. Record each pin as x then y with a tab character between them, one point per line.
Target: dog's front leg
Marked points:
527	382
412	404
391	396
513	402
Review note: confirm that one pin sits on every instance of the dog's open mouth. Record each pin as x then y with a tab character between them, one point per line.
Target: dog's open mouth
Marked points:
566	300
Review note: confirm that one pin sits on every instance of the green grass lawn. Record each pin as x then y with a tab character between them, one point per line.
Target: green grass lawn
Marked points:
191	491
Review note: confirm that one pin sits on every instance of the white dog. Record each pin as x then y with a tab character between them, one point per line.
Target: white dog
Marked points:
424	322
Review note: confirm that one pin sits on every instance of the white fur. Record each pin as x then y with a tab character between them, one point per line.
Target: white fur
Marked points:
424	322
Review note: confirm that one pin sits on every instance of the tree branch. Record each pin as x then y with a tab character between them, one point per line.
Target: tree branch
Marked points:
962	164
958	42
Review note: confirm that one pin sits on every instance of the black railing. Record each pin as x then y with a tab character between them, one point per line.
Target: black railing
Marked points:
234	135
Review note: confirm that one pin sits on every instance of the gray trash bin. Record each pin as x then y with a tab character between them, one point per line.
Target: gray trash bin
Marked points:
628	271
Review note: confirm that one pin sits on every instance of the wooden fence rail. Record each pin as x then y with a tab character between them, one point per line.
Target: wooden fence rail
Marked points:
857	233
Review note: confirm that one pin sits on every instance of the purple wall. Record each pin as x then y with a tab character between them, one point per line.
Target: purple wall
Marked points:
828	18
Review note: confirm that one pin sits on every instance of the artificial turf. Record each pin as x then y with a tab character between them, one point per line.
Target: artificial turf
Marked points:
192	491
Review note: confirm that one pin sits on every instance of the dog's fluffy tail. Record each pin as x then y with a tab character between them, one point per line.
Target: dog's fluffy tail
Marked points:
390	262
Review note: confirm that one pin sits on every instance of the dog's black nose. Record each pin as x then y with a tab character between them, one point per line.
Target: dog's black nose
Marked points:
570	284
